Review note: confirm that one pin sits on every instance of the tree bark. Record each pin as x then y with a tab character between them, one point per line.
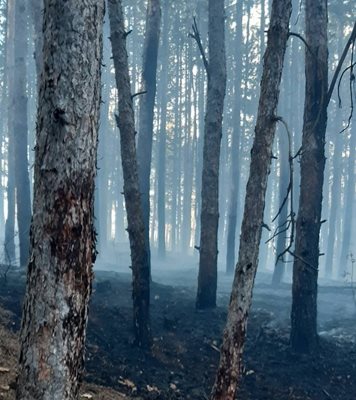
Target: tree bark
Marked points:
36	10
136	229
9	243
304	336
161	164
209	217
235	144
62	236
348	215
147	102
230	365
20	130
279	267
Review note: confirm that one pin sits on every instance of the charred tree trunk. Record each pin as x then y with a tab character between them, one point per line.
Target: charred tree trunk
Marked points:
20	130
230	366
304	336
136	229
62	235
147	102
209	217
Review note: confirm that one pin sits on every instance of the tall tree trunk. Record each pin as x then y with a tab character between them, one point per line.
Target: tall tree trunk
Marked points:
136	229
161	167
230	365
304	336
335	190
216	70
23	197
9	243
349	211
186	228
235	145
147	102
36	11
101	203
279	267
62	236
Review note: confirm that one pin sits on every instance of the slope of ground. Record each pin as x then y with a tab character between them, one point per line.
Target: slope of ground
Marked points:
186	344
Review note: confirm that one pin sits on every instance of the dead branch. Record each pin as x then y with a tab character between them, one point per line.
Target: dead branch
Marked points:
303	260
350	42
299	36
138	94
290	221
352	80
196	36
340	80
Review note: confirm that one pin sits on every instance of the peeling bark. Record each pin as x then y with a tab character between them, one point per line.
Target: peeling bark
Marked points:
136	229
62	236
230	366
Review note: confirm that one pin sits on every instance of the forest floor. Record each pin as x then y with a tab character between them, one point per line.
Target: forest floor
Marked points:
185	350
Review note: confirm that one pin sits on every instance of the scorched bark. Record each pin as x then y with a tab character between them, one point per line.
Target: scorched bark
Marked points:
230	365
62	237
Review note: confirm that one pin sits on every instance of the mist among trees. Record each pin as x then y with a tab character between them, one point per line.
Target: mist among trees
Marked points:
177	199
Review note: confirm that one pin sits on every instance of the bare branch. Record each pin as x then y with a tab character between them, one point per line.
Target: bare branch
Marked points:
290	221
196	36
350	42
299	36
138	94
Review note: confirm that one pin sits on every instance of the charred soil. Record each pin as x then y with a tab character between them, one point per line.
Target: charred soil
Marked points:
185	350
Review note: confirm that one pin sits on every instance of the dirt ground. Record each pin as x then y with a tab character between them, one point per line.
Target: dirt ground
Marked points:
185	352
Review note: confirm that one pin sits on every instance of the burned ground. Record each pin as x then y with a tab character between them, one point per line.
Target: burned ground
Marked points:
185	349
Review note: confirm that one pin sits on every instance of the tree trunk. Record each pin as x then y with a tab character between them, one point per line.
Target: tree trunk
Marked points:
230	365
209	217
22	180
348	215
335	190
136	229
235	145
36	10
279	267
304	336
62	235
161	167
9	243
147	102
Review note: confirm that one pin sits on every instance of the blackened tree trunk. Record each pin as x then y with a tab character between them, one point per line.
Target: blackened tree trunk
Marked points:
136	229
209	217
230	365
147	102
304	336
235	144
62	235
20	130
